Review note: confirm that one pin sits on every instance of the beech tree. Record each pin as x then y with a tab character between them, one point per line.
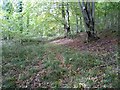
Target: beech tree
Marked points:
19	10
63	15
66	17
88	11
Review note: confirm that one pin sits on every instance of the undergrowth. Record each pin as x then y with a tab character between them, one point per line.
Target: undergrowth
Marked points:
53	66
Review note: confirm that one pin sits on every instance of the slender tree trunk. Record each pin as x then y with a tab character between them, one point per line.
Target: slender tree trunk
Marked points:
68	19
118	23
28	20
93	17
80	24
63	15
21	22
105	16
76	23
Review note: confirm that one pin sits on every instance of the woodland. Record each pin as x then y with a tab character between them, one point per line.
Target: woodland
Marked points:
59	44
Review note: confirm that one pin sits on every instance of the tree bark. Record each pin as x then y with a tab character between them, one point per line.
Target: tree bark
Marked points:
105	17
68	19
76	23
82	7
80	24
63	15
88	10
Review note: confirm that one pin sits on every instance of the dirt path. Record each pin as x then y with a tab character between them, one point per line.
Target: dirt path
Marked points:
63	41
106	44
101	46
105	48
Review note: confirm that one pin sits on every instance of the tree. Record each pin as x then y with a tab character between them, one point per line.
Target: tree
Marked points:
19	10
66	18
88	11
8	8
75	17
19	6
63	16
76	23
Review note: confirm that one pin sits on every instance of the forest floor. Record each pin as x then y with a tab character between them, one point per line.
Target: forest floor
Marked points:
65	63
104	47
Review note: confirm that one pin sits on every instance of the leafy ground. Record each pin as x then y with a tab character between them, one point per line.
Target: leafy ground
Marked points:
61	63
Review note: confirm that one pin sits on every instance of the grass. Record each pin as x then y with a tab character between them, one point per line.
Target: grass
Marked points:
53	66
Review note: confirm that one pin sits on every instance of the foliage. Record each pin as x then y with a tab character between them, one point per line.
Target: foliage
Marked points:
43	19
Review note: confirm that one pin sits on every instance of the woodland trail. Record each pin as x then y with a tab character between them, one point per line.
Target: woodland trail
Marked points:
64	60
105	48
100	47
108	43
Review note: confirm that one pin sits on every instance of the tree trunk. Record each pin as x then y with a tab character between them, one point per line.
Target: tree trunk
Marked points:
105	17
88	10
80	24
76	23
63	15
82	7
68	19
28	19
21	23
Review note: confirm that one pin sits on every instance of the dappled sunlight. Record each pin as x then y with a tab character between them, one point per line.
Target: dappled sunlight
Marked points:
62	41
